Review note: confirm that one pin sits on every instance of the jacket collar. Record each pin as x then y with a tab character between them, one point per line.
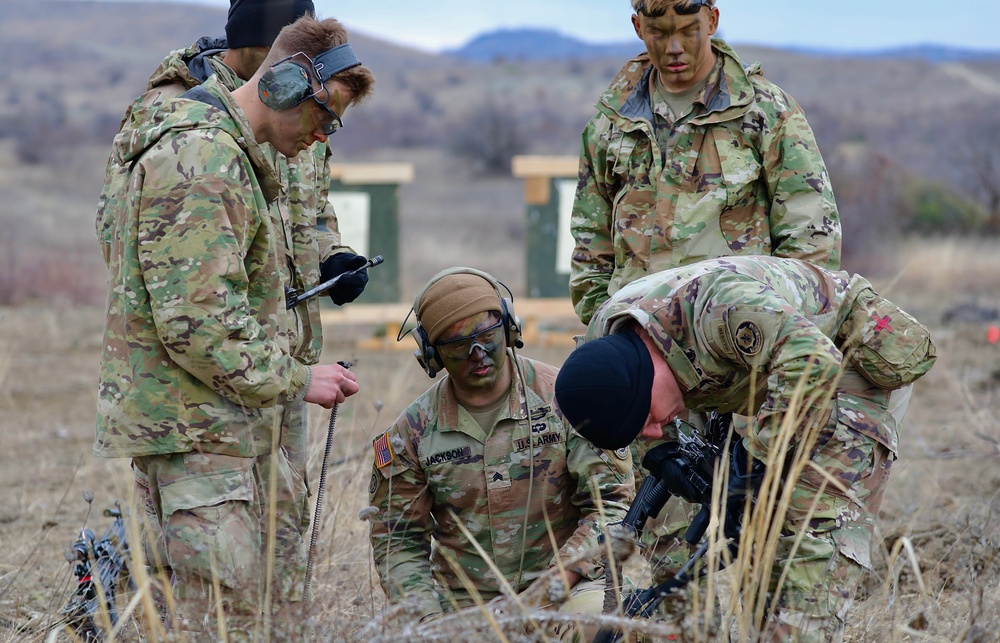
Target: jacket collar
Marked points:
728	93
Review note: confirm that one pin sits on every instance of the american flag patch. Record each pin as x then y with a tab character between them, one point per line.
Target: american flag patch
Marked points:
383	450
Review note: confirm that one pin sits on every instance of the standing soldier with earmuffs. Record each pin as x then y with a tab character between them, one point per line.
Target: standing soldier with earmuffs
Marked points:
486	449
196	368
310	251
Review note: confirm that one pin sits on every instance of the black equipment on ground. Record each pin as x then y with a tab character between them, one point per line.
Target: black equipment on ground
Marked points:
101	569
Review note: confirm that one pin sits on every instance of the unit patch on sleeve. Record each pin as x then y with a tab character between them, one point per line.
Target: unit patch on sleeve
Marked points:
383	451
749	338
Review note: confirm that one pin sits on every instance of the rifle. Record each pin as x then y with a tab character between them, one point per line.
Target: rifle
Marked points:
686	468
101	567
293	297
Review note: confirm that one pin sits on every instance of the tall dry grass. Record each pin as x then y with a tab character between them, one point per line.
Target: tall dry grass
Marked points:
936	572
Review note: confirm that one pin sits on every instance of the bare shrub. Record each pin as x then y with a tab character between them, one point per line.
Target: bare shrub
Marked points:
33	274
979	157
38	132
489	137
933	207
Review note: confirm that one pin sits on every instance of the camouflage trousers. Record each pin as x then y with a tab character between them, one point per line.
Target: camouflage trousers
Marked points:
824	568
206	529
584	598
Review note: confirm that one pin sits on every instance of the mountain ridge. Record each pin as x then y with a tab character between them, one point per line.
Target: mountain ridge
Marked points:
525	44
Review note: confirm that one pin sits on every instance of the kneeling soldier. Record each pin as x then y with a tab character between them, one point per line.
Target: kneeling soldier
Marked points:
487	450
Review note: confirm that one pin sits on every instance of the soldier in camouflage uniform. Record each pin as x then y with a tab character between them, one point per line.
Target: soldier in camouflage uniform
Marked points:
765	337
486	449
196	368
692	155
309	244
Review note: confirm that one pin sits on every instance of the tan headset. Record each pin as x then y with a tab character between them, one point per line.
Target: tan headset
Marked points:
426	354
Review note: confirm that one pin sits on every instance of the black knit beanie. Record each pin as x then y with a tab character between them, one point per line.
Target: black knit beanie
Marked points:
256	23
605	387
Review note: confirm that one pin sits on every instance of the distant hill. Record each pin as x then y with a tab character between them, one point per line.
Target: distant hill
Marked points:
548	44
929	53
537	44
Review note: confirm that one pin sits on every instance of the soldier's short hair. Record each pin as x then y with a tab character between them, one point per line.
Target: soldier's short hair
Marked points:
312	37
656	8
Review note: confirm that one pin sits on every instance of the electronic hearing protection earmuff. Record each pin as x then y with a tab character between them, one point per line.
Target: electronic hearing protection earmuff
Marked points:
287	82
426	354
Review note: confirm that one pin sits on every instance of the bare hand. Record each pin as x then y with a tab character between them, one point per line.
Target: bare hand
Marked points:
331	384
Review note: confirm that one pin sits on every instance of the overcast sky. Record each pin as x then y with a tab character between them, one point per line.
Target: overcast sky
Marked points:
827	24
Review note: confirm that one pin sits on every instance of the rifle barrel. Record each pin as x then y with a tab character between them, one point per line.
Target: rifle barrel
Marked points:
326	285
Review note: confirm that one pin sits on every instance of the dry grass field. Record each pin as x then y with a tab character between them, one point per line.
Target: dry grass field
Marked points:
937	568
937	572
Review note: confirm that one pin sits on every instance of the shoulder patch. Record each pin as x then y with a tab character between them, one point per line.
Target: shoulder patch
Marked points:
620	460
383	451
748	338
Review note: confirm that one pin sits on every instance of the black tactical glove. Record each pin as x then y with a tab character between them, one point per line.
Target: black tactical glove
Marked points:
682	477
348	287
745	471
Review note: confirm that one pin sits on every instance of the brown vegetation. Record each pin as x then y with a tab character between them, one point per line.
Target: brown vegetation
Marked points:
897	160
936	572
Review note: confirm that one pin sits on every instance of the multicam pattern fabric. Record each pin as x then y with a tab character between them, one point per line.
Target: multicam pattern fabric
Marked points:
302	229
721	321
741	174
517	489
192	355
303	214
214	508
739	335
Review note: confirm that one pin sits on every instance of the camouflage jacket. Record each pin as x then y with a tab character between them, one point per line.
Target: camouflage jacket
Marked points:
303	214
741	174
192	356
741	333
444	473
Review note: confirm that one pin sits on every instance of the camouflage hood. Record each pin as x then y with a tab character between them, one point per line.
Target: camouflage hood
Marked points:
194	353
729	91
185	114
189	67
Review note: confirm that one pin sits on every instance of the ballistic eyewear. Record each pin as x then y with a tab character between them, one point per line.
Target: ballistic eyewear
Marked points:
331	119
683	8
460	348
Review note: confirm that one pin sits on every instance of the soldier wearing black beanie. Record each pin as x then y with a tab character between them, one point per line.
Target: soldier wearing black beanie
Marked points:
604	389
256	23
